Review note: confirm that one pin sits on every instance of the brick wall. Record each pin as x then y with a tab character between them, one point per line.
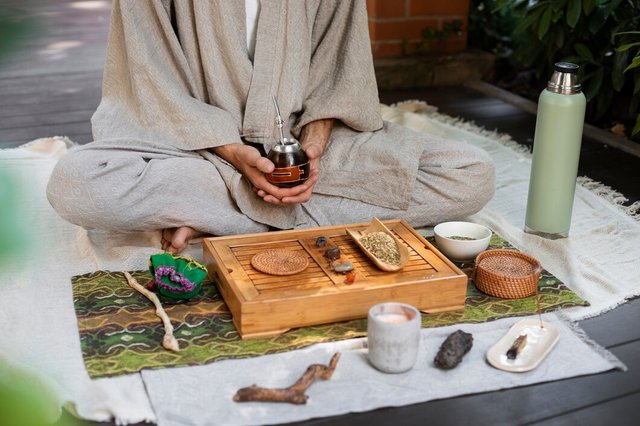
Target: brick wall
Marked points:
396	26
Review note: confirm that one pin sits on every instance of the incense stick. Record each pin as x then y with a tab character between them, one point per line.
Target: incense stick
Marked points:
538	306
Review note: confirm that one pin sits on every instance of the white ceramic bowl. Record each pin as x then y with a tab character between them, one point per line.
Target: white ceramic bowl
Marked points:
458	249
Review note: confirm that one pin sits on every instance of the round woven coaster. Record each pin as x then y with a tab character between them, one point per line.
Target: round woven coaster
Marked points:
279	262
507	265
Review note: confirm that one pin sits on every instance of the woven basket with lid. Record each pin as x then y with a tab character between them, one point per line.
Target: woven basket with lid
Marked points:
508	274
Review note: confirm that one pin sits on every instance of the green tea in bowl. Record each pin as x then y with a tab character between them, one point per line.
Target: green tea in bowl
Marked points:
461	238
462	241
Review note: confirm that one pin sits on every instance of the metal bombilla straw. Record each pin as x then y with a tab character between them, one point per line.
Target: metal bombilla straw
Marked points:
279	121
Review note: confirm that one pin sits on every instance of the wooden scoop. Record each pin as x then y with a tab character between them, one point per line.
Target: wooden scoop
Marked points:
377	226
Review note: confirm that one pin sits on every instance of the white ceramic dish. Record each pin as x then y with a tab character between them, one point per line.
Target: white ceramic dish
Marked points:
461	250
540	341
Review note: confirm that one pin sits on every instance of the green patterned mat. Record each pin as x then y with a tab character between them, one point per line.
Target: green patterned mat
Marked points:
120	333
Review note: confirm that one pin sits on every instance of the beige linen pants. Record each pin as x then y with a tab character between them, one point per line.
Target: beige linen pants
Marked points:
126	185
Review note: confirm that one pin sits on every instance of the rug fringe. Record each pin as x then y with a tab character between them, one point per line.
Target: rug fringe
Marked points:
613	196
68	142
600	350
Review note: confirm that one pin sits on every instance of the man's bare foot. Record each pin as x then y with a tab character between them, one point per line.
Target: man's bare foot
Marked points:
175	240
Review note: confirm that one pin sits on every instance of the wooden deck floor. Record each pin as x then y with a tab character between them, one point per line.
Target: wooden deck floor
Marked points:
51	86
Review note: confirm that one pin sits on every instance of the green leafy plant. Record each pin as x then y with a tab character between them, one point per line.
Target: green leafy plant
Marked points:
491	27
15	27
432	37
584	32
634	67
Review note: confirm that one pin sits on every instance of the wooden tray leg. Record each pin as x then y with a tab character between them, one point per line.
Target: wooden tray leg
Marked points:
263	333
442	309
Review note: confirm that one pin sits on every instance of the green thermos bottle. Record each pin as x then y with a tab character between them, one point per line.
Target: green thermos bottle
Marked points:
556	153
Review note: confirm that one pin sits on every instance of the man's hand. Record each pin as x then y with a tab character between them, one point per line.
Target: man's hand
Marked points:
248	161
313	139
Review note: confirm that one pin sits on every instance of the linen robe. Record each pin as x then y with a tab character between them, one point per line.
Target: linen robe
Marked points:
178	81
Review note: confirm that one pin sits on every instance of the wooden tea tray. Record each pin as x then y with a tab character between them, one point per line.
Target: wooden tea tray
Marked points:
263	304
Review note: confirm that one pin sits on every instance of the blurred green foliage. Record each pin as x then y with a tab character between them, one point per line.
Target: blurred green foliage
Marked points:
599	35
491	28
15	28
631	46
24	399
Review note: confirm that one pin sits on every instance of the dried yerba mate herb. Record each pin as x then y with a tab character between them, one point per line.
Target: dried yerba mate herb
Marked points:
382	246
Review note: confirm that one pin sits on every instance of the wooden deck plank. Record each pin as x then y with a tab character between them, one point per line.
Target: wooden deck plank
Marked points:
618	326
19	122
49	84
79	132
625	409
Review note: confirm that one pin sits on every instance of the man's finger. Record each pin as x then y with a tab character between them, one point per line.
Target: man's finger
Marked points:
313	150
271	199
264	165
301	198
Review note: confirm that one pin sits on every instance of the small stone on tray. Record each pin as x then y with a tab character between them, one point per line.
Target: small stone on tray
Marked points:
332	253
321	241
350	278
342	267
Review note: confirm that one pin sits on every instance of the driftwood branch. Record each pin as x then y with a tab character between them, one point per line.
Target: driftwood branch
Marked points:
294	394
168	341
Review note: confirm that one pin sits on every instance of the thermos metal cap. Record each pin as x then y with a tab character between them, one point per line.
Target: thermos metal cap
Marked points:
564	79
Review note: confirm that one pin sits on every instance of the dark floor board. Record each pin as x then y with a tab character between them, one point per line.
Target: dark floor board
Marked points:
82	98
614	168
619	412
455	104
48	84
618	326
449	95
45	31
605	157
63	116
513	125
40	37
484	110
88	103
71	55
59	65
590	145
79	132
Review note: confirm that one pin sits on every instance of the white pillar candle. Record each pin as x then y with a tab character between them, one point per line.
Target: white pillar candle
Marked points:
393	336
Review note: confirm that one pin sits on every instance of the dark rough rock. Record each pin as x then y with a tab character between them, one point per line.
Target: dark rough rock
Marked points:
454	347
